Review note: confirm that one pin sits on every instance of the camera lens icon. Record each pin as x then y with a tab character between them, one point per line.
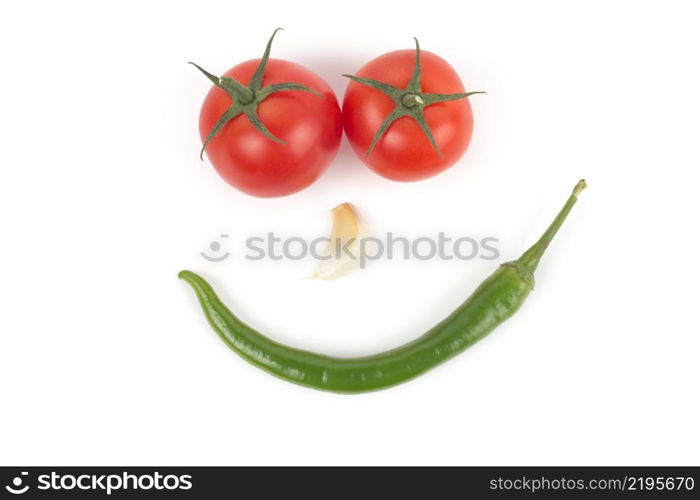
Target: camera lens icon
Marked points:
16	488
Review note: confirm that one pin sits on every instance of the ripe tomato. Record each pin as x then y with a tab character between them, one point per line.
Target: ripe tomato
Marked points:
309	125
404	151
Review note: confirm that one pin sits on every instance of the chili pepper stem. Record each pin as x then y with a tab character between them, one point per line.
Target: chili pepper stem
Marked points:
531	258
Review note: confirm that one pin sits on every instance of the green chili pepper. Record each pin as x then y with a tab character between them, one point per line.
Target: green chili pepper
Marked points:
497	298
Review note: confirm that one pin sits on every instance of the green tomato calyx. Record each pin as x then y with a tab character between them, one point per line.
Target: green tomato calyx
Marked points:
246	99
409	101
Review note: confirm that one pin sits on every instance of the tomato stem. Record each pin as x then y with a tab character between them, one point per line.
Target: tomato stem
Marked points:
409	101
412	100
245	99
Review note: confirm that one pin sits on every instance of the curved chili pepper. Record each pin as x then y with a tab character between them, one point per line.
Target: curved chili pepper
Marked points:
496	299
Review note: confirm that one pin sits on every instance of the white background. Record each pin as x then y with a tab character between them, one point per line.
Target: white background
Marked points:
105	357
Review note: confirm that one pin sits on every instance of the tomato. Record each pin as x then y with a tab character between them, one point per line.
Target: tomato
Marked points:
309	125
404	151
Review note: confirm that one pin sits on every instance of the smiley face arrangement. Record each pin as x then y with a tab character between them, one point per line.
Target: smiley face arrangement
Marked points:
272	127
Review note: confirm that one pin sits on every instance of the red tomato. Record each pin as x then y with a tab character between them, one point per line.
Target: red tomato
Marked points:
404	152
310	126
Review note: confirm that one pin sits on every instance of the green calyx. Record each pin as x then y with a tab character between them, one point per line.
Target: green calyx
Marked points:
408	102
246	99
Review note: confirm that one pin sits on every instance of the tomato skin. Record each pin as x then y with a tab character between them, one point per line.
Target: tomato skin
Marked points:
404	152
310	126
